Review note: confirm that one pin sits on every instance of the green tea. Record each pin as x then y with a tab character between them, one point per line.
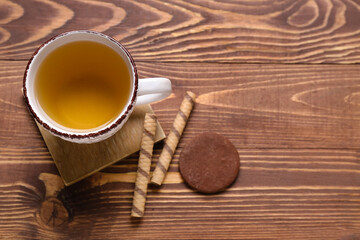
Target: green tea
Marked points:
83	85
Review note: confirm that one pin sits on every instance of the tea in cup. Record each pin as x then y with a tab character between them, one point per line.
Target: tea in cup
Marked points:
82	86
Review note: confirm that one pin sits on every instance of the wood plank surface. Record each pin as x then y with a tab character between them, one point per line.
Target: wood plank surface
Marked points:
304	31
296	128
296	106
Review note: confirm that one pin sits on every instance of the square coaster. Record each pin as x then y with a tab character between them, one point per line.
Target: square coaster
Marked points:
77	161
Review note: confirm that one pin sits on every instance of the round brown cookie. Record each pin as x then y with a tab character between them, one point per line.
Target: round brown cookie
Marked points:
209	163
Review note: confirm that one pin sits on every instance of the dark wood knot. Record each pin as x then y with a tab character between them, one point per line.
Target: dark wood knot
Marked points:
53	213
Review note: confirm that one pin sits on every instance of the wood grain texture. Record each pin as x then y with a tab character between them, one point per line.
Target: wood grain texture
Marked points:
296	128
266	202
263	31
296	106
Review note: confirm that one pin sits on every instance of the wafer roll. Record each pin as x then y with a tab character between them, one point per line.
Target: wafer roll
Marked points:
173	138
143	172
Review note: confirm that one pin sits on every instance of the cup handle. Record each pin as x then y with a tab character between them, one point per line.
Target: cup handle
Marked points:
152	89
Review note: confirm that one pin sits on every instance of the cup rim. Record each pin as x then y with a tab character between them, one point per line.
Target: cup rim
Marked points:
120	119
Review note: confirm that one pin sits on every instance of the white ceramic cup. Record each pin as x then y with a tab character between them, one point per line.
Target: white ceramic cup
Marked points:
142	91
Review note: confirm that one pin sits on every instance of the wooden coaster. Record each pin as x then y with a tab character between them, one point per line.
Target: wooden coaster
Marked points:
77	161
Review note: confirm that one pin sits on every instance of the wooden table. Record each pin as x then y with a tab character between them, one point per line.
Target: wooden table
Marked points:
278	78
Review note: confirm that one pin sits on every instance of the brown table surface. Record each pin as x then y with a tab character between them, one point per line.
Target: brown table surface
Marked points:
280	79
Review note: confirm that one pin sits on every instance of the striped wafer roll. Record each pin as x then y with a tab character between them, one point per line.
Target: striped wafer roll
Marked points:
173	138
143	172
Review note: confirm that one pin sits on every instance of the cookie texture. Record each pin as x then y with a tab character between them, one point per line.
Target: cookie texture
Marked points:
209	163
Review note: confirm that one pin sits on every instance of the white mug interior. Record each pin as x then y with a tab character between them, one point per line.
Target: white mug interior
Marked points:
78	135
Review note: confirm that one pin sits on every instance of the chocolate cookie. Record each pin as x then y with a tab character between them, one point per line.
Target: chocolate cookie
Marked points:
209	163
